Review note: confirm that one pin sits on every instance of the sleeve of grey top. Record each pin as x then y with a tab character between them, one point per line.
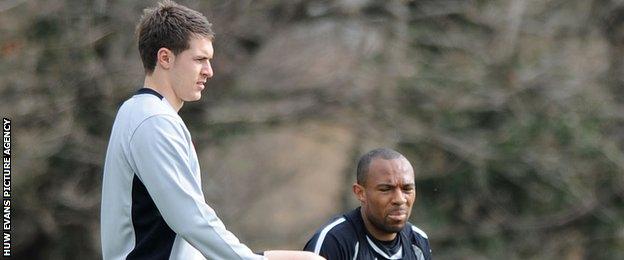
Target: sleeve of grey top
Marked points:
160	150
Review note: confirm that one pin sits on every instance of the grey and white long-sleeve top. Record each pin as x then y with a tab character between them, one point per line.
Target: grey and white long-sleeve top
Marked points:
153	206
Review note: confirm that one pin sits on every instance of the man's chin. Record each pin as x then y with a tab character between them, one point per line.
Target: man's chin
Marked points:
193	98
394	228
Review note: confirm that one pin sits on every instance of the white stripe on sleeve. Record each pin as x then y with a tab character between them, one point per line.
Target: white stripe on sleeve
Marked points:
417	230
321	238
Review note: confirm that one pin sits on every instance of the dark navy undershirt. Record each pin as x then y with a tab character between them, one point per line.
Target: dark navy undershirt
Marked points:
389	247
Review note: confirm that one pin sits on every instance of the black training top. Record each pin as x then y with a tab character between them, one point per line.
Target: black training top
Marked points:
346	237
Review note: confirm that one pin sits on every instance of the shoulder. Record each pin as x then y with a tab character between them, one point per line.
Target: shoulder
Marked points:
160	125
335	233
149	113
419	240
337	227
418	232
340	229
142	107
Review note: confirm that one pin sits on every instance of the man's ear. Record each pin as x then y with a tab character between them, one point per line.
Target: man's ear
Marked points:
164	58
358	190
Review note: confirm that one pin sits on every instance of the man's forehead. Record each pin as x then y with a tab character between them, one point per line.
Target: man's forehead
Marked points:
201	46
387	170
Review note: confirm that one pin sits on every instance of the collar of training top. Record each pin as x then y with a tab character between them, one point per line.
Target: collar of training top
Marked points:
149	91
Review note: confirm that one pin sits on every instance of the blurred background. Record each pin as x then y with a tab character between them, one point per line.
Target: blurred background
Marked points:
511	112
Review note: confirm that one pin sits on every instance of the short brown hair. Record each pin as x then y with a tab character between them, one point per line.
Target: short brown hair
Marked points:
169	25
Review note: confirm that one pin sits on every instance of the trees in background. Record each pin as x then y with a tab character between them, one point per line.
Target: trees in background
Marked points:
509	111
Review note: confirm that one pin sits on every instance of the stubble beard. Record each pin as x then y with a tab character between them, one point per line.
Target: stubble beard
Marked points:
383	226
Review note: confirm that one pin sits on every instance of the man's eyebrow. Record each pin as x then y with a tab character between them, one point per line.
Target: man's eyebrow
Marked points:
207	54
392	185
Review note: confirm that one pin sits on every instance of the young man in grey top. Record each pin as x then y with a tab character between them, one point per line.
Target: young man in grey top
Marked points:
153	206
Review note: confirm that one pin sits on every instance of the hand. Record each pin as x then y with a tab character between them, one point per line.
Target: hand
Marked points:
291	255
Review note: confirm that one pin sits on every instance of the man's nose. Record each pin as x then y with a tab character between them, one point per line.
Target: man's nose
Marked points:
207	70
398	197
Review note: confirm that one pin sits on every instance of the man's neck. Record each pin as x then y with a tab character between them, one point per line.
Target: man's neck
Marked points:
376	233
159	84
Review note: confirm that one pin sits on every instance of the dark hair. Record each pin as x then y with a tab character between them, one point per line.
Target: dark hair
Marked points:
171	26
366	159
